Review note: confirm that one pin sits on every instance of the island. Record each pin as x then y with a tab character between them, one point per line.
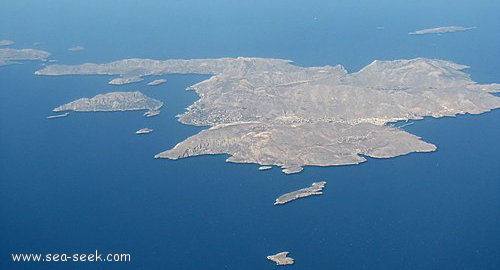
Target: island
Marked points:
76	48
124	80
151	113
291	169
6	42
58	115
144	131
113	101
315	189
281	258
441	30
10	56
271	112
157	82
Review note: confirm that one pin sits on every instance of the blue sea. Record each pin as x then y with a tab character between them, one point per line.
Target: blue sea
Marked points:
87	182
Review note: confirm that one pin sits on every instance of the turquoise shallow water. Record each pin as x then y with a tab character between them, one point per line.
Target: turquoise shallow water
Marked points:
87	182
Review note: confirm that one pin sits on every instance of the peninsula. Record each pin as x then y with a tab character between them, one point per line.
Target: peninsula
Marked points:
281	258
114	101
315	189
264	168
272	112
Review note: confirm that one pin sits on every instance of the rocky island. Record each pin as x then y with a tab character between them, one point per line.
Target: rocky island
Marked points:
10	56
143	131
124	80
6	42
272	112
441	30
315	189
58	115
157	82
151	113
281	258
76	48
114	101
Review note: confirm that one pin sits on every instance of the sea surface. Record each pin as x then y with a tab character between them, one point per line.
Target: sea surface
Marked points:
88	182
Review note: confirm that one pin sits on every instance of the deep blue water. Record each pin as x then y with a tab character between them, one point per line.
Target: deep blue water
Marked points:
87	182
